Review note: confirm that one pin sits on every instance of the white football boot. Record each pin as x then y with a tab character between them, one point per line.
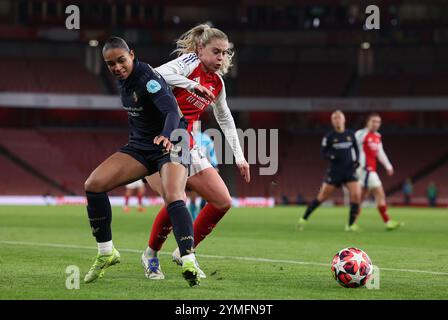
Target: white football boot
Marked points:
152	267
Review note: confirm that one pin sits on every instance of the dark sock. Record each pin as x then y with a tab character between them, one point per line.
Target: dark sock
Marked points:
182	226
313	205
100	215
354	209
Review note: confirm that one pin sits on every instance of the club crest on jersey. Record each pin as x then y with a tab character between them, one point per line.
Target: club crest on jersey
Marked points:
153	86
335	140
134	95
197	79
349	138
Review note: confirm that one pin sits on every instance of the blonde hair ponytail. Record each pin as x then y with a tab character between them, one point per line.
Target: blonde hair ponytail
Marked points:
202	35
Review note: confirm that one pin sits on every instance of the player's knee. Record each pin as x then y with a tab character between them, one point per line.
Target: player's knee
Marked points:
172	196
225	204
321	197
93	184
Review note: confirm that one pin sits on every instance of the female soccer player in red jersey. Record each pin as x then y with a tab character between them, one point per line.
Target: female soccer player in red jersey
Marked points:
196	78
371	149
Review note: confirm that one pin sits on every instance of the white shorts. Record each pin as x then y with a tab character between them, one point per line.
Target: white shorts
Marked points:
135	185
368	179
198	163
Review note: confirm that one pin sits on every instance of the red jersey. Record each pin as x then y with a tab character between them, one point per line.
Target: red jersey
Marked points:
184	74
371	149
190	103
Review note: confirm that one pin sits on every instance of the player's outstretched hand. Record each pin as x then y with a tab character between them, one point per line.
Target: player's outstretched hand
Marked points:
244	170
390	172
166	143
204	92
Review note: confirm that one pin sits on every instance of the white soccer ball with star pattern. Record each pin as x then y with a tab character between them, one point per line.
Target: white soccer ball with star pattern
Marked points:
351	267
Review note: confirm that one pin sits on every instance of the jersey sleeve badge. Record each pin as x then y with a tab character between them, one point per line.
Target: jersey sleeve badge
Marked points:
153	86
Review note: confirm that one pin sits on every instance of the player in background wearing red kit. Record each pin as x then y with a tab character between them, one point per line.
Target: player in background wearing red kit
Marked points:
196	78
138	187
370	149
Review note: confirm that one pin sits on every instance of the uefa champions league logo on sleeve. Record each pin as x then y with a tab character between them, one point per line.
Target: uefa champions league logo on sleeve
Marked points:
153	86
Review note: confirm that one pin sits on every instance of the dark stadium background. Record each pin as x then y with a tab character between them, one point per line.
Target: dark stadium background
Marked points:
295	62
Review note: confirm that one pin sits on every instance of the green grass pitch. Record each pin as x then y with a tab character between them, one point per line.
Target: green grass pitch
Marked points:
252	254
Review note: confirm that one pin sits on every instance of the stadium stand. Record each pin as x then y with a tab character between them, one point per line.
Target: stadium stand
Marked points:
393	85
312	80
63	156
16	181
438	176
301	168
47	75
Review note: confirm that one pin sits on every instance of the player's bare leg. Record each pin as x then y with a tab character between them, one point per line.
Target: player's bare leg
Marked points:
174	178
127	196
161	226
380	198
355	192
140	195
160	229
325	192
365	194
210	186
115	171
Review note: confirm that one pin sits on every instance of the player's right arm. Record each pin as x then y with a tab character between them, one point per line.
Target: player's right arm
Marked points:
164	100
326	149
382	157
176	72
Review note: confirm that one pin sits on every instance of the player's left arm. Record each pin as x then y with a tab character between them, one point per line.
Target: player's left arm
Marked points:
382	157
227	124
164	100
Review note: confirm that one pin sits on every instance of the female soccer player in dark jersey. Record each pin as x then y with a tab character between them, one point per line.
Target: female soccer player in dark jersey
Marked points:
153	114
196	78
340	147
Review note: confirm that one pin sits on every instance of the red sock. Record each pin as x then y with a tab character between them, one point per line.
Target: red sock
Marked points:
126	200
206	220
383	213
139	197
161	228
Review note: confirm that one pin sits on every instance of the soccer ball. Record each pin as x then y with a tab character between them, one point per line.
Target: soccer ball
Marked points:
351	267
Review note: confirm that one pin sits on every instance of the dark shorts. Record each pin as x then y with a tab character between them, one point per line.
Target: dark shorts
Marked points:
153	160
338	179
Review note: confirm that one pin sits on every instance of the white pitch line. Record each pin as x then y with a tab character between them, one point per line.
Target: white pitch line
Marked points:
253	259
